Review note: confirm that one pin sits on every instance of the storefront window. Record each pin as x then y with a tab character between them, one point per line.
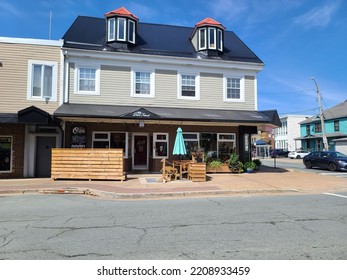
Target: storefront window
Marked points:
160	143
226	144
191	140
116	140
5	153
208	143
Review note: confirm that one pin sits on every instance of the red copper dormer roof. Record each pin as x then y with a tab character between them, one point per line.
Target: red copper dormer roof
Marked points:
121	12
209	21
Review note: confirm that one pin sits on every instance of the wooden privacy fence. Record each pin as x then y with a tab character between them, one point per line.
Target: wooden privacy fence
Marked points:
103	164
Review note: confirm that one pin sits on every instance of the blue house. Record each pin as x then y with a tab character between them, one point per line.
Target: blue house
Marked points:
335	120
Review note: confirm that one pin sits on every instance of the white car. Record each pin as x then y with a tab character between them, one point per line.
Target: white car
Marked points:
298	154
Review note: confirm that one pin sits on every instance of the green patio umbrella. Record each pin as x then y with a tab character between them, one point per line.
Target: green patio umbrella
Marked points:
179	147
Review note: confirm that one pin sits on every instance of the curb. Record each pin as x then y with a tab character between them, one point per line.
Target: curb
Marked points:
183	194
153	195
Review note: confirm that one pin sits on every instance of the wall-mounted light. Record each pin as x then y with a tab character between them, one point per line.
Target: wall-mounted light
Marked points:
0	63
141	124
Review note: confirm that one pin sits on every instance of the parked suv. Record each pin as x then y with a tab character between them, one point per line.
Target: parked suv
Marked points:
279	153
298	154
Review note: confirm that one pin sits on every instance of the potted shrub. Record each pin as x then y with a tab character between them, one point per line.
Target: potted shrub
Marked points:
249	166
234	164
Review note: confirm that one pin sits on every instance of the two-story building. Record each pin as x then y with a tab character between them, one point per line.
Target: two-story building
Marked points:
30	73
284	136
130	85
335	122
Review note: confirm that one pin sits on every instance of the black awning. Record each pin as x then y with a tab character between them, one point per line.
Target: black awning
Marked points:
165	113
8	118
34	115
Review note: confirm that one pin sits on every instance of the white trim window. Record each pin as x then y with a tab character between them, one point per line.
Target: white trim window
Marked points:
114	140
212	38
42	80
220	40
160	145
131	31
202	39
191	141
111	27
188	86
121	29
234	89
5	154
226	144
87	79
142	84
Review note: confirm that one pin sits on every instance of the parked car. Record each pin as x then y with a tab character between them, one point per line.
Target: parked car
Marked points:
298	154
327	160
279	153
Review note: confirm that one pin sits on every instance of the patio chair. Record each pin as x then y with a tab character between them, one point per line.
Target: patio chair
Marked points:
169	172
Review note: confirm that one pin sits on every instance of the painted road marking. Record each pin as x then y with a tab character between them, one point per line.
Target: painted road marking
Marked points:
334	194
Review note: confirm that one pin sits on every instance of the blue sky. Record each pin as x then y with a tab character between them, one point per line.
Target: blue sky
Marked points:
296	39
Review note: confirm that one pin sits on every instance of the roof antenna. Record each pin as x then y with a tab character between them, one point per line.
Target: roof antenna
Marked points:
50	25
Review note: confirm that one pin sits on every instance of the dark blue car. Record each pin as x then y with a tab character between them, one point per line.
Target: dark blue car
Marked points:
327	160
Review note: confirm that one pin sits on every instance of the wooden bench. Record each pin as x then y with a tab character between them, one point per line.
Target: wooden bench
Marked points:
169	172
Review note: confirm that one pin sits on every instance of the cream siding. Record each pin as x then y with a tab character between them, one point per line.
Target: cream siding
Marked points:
250	93
211	90
115	89
14	75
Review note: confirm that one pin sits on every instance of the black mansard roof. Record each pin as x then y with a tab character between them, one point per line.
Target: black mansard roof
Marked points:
154	39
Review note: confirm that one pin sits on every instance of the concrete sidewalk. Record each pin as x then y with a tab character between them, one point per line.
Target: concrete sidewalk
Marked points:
267	180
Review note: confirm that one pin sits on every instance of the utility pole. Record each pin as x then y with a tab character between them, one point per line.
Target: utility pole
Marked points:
325	140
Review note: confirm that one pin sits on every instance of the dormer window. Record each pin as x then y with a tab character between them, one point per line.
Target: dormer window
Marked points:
111	28
208	35
121	26
131	31
202	39
121	29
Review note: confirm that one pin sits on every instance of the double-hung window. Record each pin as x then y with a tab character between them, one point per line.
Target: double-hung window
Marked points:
188	87
336	125
87	79
142	83
161	145
317	127
234	89
42	80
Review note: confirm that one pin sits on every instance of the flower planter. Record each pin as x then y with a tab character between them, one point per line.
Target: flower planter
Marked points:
223	168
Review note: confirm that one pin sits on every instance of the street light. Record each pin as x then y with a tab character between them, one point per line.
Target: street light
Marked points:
325	140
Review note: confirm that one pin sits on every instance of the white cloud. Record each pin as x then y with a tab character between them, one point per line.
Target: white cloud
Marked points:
6	8
318	17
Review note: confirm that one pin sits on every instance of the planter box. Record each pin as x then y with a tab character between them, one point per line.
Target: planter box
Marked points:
223	168
197	171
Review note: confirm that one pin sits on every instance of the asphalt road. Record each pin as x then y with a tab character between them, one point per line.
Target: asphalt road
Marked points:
76	227
297	164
